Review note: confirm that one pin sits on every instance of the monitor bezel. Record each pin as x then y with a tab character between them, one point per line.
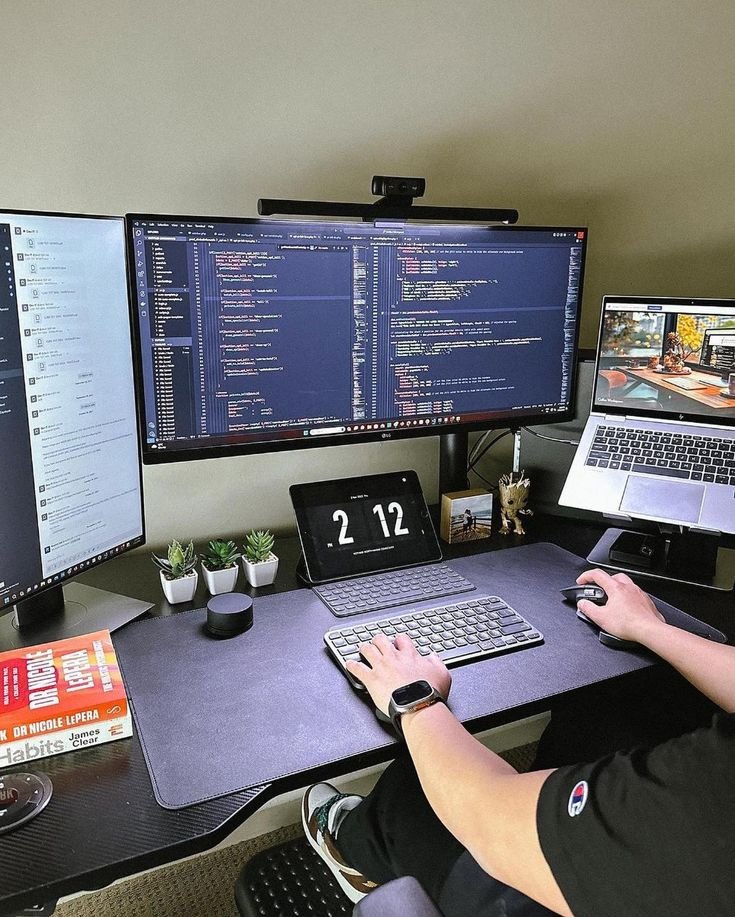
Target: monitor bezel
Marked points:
67	577
152	456
604	407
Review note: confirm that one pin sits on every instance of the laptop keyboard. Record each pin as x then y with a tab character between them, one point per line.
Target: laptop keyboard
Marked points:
387	590
459	632
675	455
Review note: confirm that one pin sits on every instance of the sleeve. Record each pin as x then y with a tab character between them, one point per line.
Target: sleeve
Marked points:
646	832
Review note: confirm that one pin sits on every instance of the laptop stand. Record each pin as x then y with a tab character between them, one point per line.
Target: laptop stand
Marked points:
695	558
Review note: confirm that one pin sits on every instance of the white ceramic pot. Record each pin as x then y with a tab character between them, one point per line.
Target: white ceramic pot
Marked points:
262	573
181	589
219	581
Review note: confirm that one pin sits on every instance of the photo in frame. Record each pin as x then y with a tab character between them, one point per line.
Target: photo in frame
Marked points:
466	515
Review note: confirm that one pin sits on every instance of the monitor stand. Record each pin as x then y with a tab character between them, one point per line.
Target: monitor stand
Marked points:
695	558
453	452
55	614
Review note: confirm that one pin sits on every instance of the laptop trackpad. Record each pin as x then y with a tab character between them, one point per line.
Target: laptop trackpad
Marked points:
677	500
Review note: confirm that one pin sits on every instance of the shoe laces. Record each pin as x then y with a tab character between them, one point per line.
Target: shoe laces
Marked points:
321	813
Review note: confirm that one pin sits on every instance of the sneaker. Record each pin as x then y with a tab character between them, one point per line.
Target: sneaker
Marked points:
322	811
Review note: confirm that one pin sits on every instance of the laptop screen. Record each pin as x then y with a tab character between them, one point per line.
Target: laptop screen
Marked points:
673	358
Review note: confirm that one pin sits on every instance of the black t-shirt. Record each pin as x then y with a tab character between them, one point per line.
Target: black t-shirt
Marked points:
646	832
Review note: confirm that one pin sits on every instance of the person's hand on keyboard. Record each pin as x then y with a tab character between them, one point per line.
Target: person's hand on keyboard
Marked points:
390	665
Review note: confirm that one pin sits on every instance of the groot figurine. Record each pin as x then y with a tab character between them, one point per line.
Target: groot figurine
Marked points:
513	500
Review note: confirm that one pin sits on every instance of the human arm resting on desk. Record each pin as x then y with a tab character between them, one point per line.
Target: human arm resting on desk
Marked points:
482	800
631	615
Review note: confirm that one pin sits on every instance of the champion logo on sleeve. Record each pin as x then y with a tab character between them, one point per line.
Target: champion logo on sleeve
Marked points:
578	798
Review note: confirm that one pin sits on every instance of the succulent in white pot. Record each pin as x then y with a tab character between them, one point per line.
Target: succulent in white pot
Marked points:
219	565
259	561
179	577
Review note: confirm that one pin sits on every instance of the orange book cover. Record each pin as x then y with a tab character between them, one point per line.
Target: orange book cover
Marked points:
69	684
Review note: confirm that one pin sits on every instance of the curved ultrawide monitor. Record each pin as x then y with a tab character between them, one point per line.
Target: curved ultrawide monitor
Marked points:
69	459
257	335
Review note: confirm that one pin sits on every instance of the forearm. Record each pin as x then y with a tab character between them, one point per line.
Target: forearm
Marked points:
631	614
709	666
454	769
483	801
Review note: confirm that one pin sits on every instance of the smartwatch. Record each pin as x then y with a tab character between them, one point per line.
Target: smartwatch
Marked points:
411	697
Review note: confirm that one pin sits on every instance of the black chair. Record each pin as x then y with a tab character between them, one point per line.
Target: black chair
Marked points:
291	880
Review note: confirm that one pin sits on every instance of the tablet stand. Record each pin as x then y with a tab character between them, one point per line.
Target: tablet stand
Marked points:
301	574
695	558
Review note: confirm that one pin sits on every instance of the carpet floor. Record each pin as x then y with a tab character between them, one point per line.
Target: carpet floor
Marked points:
202	886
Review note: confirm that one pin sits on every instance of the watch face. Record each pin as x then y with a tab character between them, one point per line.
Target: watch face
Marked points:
410	694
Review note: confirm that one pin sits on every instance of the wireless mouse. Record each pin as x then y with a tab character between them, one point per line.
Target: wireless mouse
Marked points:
607	639
616	643
598	596
592	593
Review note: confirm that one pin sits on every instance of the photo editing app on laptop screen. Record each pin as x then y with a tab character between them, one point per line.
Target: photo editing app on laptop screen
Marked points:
669	357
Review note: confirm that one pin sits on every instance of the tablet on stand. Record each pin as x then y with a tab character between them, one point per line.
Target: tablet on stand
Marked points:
357	526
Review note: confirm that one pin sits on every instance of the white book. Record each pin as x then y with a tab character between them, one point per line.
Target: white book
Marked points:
33	748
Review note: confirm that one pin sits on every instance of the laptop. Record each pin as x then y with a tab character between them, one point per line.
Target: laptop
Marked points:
653	448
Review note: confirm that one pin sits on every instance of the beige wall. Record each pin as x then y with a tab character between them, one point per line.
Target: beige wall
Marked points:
611	113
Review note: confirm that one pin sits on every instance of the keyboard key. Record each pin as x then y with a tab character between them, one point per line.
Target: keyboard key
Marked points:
677	455
391	589
459	652
667	472
446	630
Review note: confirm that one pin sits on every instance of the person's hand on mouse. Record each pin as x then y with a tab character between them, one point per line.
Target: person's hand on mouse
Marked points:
392	665
629	612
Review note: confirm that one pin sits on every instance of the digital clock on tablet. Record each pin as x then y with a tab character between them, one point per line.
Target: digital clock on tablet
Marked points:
354	526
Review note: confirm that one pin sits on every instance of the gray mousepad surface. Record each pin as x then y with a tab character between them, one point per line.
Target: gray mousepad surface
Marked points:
216	716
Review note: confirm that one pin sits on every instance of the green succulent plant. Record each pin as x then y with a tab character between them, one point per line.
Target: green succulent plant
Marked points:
258	546
220	554
180	560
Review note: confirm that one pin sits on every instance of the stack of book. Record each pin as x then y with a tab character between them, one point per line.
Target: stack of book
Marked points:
60	696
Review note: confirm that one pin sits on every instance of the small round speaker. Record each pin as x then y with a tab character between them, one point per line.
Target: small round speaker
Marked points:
229	614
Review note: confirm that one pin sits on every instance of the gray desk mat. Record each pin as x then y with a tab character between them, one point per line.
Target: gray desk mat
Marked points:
218	716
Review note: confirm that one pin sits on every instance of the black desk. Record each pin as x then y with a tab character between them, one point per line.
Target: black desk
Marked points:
104	822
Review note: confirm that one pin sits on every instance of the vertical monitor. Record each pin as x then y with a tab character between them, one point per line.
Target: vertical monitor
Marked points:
260	335
69	458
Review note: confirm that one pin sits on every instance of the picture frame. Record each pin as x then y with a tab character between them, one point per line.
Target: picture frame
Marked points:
466	515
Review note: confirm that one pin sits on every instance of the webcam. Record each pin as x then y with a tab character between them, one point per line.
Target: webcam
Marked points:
393	186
